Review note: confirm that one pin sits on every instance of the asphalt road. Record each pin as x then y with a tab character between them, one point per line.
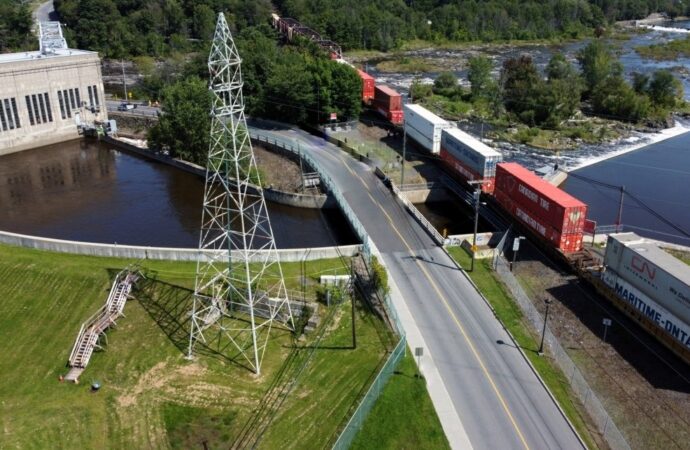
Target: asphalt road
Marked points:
500	401
140	110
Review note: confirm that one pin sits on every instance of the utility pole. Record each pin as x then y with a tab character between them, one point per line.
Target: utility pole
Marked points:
124	80
477	196
619	220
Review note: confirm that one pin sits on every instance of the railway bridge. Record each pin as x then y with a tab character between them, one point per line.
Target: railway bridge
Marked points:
486	394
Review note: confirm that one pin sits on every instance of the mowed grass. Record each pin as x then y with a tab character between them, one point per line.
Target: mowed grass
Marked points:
511	316
403	417
151	396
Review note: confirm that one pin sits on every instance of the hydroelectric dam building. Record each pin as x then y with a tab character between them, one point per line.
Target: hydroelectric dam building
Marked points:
47	96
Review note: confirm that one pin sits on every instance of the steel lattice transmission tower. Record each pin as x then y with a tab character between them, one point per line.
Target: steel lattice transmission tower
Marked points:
239	290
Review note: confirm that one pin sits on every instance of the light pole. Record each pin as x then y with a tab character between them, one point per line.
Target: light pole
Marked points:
543	330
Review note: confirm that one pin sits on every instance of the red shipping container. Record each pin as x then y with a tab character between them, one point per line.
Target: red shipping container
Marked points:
550	204
367	86
466	173
566	242
387	99
396	117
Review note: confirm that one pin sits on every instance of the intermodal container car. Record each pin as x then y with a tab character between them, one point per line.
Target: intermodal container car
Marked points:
388	103
425	127
551	205
368	87
662	277
648	307
469	157
566	242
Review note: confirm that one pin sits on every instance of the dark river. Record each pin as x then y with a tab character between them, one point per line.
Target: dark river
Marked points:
87	191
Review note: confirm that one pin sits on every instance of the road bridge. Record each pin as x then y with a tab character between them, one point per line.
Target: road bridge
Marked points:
486	394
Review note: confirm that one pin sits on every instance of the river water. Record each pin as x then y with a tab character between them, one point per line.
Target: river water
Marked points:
656	172
88	191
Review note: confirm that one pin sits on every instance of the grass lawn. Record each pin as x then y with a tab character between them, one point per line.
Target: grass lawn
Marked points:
510	315
403	417
151	396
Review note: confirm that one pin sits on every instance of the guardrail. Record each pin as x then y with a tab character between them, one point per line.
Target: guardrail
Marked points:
418	215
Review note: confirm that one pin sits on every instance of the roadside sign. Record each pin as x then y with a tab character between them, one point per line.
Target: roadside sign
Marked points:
419	351
334	116
474	248
516	244
606	322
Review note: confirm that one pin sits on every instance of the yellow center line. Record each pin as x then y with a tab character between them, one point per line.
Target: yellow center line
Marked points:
450	311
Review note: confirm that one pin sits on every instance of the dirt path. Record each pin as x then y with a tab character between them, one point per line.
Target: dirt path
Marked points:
644	387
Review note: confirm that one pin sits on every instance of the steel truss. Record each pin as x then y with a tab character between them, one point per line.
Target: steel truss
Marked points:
240	289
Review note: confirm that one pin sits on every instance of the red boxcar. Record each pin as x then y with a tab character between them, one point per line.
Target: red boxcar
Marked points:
466	172
566	242
367	86
388	103
551	205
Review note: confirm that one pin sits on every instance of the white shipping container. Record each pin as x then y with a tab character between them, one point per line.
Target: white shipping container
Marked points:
471	151
425	127
678	329
659	275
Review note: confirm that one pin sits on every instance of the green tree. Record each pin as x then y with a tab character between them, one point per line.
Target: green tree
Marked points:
479	76
597	64
522	86
184	126
640	82
664	89
617	99
446	81
419	90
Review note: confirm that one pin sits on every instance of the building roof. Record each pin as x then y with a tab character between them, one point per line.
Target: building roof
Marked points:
472	142
655	254
545	188
38	56
426	114
388	91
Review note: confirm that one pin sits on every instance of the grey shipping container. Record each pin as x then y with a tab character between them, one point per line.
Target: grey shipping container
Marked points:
425	127
644	265
470	151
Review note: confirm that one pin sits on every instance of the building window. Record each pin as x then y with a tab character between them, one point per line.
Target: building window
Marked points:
65	95
89	88
31	110
95	95
76	93
17	123
36	110
62	106
71	99
43	108
3	121
48	109
8	113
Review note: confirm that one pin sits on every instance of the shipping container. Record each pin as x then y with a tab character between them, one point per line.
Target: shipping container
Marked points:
550	204
367	86
655	272
470	157
566	242
386	100
652	310
396	117
425	127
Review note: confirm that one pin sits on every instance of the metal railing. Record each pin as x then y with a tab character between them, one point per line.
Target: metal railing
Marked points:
418	215
578	383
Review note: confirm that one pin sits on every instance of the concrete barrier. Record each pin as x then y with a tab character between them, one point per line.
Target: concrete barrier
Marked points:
162	253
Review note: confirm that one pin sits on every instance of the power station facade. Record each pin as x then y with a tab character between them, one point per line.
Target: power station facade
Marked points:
47	95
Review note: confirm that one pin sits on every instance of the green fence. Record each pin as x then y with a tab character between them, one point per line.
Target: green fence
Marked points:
360	415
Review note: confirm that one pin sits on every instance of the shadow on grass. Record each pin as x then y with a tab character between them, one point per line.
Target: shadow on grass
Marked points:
170	307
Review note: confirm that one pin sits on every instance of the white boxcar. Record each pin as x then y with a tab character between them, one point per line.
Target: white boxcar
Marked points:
656	273
425	127
471	152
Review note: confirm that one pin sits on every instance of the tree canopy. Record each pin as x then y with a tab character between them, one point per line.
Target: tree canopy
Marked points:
15	26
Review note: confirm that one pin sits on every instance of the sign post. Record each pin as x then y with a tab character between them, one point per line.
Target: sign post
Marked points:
607	324
419	352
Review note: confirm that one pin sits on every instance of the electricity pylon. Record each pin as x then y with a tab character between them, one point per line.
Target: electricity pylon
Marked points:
239	290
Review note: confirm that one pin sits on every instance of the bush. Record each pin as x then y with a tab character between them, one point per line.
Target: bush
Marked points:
380	276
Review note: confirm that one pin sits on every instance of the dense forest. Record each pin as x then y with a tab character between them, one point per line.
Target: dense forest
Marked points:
385	24
15	26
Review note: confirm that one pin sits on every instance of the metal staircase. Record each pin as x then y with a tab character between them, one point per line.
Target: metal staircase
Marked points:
98	323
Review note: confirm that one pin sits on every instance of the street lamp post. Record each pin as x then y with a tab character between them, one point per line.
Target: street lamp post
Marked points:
477	195
543	330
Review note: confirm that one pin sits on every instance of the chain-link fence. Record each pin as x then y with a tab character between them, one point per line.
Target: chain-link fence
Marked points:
357	420
579	385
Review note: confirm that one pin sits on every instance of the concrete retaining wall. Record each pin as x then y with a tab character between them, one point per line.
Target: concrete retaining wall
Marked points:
307	201
162	253
426	195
